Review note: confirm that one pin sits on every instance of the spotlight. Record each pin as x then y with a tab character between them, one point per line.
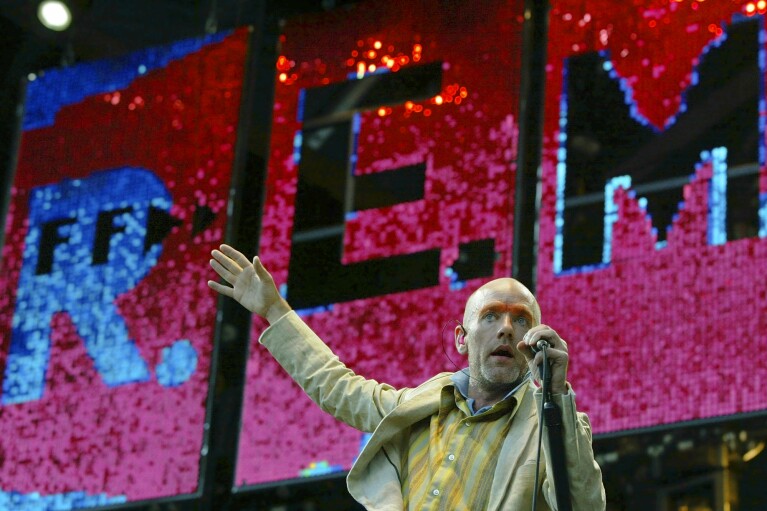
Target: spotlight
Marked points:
54	14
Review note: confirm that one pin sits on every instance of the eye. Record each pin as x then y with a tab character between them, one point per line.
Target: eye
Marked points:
490	316
521	321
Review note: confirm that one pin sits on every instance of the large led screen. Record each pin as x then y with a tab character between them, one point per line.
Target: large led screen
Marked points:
652	249
389	197
106	324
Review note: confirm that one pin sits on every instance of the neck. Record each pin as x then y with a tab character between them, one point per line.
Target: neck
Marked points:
487	394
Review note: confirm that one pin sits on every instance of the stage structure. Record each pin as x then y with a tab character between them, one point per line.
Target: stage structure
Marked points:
389	196
120	192
653	213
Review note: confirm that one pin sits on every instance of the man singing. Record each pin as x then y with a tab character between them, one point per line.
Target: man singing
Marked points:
460	441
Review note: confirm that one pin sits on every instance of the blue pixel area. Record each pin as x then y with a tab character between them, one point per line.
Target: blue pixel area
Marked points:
611	212
14	501
322	309
717	193
297	141
455	284
60	272
50	92
323	467
178	364
763	215
364	439
320	468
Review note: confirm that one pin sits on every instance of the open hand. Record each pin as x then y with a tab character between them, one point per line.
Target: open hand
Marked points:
251	285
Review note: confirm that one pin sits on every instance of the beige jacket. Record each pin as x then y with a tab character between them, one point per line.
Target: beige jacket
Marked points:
379	408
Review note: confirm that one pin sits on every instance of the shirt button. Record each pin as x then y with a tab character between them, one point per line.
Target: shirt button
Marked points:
467	424
435	493
451	457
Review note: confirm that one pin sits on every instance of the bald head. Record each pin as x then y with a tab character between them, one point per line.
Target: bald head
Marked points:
506	290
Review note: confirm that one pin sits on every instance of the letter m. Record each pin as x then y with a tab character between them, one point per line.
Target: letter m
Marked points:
606	143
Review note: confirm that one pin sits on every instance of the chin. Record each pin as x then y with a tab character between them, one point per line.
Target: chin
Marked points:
502	376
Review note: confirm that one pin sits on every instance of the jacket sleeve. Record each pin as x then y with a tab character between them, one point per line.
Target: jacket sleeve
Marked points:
585	477
357	401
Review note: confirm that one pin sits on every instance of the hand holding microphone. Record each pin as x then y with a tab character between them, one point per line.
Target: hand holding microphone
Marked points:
532	344
540	346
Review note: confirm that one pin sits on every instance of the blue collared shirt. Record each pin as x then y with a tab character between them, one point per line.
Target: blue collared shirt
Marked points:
461	380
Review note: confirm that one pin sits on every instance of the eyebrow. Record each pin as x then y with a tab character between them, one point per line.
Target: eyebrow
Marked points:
516	309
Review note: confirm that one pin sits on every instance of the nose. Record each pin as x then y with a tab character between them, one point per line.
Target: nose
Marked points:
506	327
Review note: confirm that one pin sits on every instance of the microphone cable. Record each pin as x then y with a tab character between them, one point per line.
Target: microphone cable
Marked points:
442	343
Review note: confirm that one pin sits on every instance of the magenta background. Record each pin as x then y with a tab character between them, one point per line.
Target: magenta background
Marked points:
140	440
470	153
659	336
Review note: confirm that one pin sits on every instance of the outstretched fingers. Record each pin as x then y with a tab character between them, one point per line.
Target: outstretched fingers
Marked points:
224	271
235	255
249	283
229	263
220	288
226	262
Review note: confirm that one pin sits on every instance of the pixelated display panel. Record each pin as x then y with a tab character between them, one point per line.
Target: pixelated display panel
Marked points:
389	198
653	213
106	325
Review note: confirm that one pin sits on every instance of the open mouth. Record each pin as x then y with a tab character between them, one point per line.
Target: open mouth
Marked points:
503	351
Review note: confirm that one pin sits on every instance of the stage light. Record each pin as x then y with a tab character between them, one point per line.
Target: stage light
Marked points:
54	14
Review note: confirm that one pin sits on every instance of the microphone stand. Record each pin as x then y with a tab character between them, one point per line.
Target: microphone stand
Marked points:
552	417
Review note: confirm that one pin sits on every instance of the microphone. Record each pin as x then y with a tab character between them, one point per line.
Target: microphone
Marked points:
540	345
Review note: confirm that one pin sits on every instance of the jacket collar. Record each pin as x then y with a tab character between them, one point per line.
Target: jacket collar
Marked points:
461	380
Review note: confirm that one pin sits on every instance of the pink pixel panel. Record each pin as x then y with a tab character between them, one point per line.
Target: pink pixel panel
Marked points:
653	215
106	323
389	198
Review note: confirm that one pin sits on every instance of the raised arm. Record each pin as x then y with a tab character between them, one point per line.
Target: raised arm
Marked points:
357	401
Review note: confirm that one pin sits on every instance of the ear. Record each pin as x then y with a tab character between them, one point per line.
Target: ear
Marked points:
460	340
